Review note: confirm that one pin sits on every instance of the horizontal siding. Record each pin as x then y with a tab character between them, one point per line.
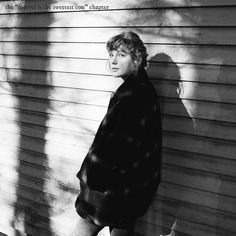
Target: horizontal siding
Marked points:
177	124
59	91
166	34
201	180
87	111
190	215
204	92
66	123
213	16
205	73
83	78
197	161
217	111
112	5
83	137
188	54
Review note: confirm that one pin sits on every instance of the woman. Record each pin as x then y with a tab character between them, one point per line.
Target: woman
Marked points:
121	171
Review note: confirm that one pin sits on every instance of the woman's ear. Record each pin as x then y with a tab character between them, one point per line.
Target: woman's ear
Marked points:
108	67
180	90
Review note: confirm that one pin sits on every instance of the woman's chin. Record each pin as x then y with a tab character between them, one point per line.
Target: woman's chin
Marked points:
116	74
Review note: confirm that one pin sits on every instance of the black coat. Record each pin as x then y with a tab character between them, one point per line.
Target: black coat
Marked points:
121	171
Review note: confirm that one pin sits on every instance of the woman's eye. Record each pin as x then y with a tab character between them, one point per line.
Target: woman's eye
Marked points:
121	54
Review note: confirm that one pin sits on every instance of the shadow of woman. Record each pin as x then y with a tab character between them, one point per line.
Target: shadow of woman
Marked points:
225	161
165	211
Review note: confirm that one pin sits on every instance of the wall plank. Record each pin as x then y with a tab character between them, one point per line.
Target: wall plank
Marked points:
202	180
147	17
188	108
198	161
34	6
209	146
196	196
37	144
156	71
202	92
173	71
178	53
98	98
191	213
63	79
179	124
195	144
204	128
199	109
60	108
159	34
66	123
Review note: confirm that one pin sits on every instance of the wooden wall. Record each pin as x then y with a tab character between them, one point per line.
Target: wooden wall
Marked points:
55	88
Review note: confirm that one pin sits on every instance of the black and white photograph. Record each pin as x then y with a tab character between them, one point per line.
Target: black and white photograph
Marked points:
118	118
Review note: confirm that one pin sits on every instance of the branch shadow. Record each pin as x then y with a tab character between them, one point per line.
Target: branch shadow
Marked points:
32	204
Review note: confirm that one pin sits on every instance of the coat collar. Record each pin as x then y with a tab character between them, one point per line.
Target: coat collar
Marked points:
128	85
133	81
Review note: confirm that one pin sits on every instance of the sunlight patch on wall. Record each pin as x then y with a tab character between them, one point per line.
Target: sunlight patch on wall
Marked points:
9	136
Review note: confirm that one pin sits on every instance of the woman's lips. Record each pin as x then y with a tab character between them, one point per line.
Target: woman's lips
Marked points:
115	69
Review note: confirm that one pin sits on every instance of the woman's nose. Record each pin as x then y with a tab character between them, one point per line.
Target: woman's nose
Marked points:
114	60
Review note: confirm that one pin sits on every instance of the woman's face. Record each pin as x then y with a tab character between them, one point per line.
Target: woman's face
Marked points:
121	63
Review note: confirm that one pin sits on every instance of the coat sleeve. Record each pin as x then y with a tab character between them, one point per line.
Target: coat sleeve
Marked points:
120	143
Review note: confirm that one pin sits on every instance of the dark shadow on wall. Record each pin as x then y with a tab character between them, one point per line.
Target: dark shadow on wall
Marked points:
166	209
32	205
213	109
225	216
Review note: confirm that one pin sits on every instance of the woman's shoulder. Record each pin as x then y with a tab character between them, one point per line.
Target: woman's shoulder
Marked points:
145	91
141	97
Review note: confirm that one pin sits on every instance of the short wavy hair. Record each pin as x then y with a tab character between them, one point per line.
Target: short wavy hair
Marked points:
132	41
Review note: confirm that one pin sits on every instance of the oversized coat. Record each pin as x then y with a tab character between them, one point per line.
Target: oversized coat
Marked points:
121	171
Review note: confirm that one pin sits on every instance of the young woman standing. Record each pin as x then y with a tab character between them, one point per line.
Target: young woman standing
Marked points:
121	172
